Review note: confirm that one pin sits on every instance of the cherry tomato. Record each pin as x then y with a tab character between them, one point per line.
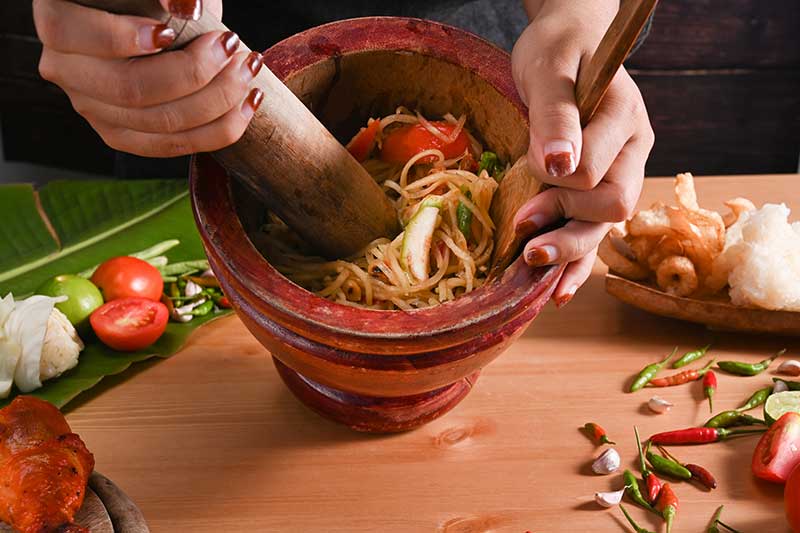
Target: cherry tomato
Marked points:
405	142
129	324
791	499
361	145
778	451
127	277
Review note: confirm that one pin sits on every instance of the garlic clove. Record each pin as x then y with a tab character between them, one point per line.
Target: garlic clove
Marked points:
192	289
790	368
607	463
609	499
659	405
780	386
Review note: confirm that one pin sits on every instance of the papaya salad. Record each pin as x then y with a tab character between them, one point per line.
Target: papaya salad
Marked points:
441	182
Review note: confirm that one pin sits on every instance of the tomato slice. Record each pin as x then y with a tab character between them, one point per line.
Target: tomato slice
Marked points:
129	324
361	145
405	142
791	499
127	277
778	451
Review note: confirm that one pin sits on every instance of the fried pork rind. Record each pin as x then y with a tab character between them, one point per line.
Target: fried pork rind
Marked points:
676	275
615	253
737	206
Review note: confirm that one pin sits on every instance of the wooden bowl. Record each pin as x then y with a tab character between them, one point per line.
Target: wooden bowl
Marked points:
378	371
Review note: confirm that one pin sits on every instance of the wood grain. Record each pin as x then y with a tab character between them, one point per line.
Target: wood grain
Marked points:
210	440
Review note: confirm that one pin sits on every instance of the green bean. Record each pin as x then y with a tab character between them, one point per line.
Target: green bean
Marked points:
748	369
147	253
633	490
667	466
650	371
727	419
464	216
184	267
489	162
690	357
159	261
759	397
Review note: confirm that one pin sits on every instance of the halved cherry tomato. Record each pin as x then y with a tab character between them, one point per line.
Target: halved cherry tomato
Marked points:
405	142
127	277
791	499
778	451
361	145
129	324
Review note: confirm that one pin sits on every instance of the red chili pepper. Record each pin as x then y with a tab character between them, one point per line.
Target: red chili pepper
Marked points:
681	377
653	486
710	387
224	302
667	504
701	435
702	475
597	433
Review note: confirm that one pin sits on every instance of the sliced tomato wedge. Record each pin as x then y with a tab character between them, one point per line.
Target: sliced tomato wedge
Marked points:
129	324
791	499
405	142
361	145
778	451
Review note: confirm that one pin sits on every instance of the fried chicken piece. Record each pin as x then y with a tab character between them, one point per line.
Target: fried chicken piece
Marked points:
44	468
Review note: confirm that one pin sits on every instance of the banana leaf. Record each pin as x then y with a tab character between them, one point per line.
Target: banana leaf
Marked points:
69	226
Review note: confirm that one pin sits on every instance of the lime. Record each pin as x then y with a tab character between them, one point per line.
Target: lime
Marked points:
780	403
83	297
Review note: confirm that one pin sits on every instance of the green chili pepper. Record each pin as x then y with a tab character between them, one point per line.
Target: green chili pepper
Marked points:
793	385
464	216
727	419
690	357
666	466
636	527
748	369
650	371
759	397
173	291
633	490
204	308
489	162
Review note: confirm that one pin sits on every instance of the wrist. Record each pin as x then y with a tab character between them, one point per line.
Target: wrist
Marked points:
589	14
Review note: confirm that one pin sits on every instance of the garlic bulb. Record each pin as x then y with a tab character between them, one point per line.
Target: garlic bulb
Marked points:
607	463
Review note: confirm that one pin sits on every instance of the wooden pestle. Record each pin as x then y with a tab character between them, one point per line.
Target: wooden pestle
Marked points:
519	184
288	158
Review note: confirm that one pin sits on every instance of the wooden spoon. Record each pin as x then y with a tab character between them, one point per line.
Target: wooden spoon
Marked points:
287	157
519	185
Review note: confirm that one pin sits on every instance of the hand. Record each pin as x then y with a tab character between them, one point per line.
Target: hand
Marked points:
598	171
191	100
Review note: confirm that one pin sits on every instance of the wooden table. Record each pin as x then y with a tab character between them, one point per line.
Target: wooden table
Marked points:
211	440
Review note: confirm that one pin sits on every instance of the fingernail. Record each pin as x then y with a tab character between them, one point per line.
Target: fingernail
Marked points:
253	63
530	225
186	9
559	158
252	102
229	42
541	255
155	37
564	299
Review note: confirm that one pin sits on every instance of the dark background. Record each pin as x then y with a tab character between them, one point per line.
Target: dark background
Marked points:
721	79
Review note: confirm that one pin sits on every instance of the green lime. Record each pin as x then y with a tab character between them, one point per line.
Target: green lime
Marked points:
83	297
780	403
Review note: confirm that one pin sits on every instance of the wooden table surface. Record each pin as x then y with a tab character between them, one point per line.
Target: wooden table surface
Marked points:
211	441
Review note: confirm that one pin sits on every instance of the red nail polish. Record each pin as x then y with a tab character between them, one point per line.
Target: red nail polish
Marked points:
254	99
230	42
254	63
537	257
564	299
163	36
186	9
559	164
526	228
